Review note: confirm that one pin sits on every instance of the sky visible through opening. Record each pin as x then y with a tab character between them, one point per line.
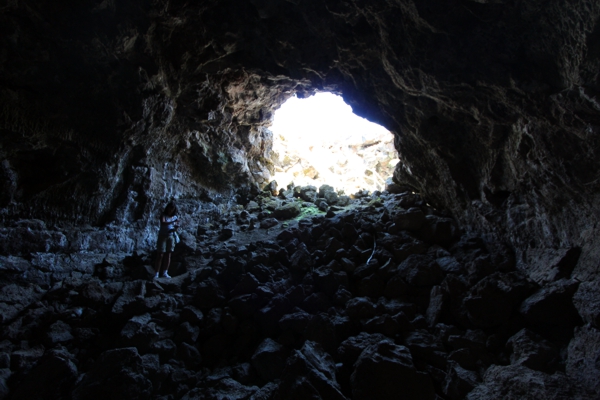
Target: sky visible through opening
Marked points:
318	140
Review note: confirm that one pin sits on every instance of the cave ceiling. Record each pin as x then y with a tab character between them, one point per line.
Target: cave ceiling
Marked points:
493	104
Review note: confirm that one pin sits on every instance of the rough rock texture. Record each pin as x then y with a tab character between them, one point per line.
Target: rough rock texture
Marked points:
107	108
330	304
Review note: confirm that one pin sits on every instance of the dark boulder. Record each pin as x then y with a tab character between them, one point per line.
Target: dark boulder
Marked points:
117	374
385	370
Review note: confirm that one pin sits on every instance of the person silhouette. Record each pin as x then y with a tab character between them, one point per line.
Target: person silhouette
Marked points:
167	238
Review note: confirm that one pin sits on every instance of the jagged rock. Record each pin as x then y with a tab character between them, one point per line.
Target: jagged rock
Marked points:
519	382
295	321
450	265
384	370
384	324
309	373
301	259
321	330
96	293
268	223
532	351
438	230
187	333
59	332
269	359
393	187
140	332
192	315
117	374
492	300
587	302
410	220
459	381
470	350
308	193
4	376
547	265
52	377
166	348
360	308
550	310
15	298
315	303
395	287
23	360
425	346
583	355
286	211
225	388
371	286
420	270
436	304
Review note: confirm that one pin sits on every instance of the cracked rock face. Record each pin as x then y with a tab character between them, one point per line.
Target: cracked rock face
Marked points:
109	107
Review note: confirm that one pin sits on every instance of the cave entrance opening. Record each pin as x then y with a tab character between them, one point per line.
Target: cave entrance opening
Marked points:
319	140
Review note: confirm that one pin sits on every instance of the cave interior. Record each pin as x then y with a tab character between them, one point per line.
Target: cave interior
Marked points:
475	274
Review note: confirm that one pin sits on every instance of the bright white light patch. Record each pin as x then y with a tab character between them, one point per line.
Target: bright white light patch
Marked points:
319	140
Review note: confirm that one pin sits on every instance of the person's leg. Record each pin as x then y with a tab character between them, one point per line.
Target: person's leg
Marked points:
167	264
159	258
170	247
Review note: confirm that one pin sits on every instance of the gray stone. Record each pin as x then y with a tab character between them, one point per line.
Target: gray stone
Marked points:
544	265
492	300
309	374
550	310
286	211
583	362
385	370
269	359
393	187
587	302
308	193
268	223
459	381
532	351
410	220
519	382
324	189
54	375
140	332
450	265
59	332
116	374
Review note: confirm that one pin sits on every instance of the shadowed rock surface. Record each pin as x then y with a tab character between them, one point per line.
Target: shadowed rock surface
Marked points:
481	259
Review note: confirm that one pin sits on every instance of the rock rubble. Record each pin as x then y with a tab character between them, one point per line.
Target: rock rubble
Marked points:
382	296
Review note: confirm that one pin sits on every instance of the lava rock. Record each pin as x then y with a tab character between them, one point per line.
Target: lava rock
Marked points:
583	355
550	310
384	370
286	211
587	302
492	301
309	373
53	377
532	351
117	374
519	382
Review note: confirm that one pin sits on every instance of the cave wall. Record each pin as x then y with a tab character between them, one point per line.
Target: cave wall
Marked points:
109	108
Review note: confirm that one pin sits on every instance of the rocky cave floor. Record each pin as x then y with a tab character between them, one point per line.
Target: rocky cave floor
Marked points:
301	295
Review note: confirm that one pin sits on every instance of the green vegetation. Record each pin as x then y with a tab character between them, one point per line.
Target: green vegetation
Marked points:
309	211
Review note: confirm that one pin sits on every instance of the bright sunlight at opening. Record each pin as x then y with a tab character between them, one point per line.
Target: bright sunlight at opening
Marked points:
319	141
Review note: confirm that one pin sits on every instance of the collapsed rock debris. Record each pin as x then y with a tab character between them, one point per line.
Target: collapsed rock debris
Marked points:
358	298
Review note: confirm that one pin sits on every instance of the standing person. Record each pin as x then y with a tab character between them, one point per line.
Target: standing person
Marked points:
169	222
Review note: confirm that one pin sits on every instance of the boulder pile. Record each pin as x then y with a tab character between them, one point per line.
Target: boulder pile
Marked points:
300	294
